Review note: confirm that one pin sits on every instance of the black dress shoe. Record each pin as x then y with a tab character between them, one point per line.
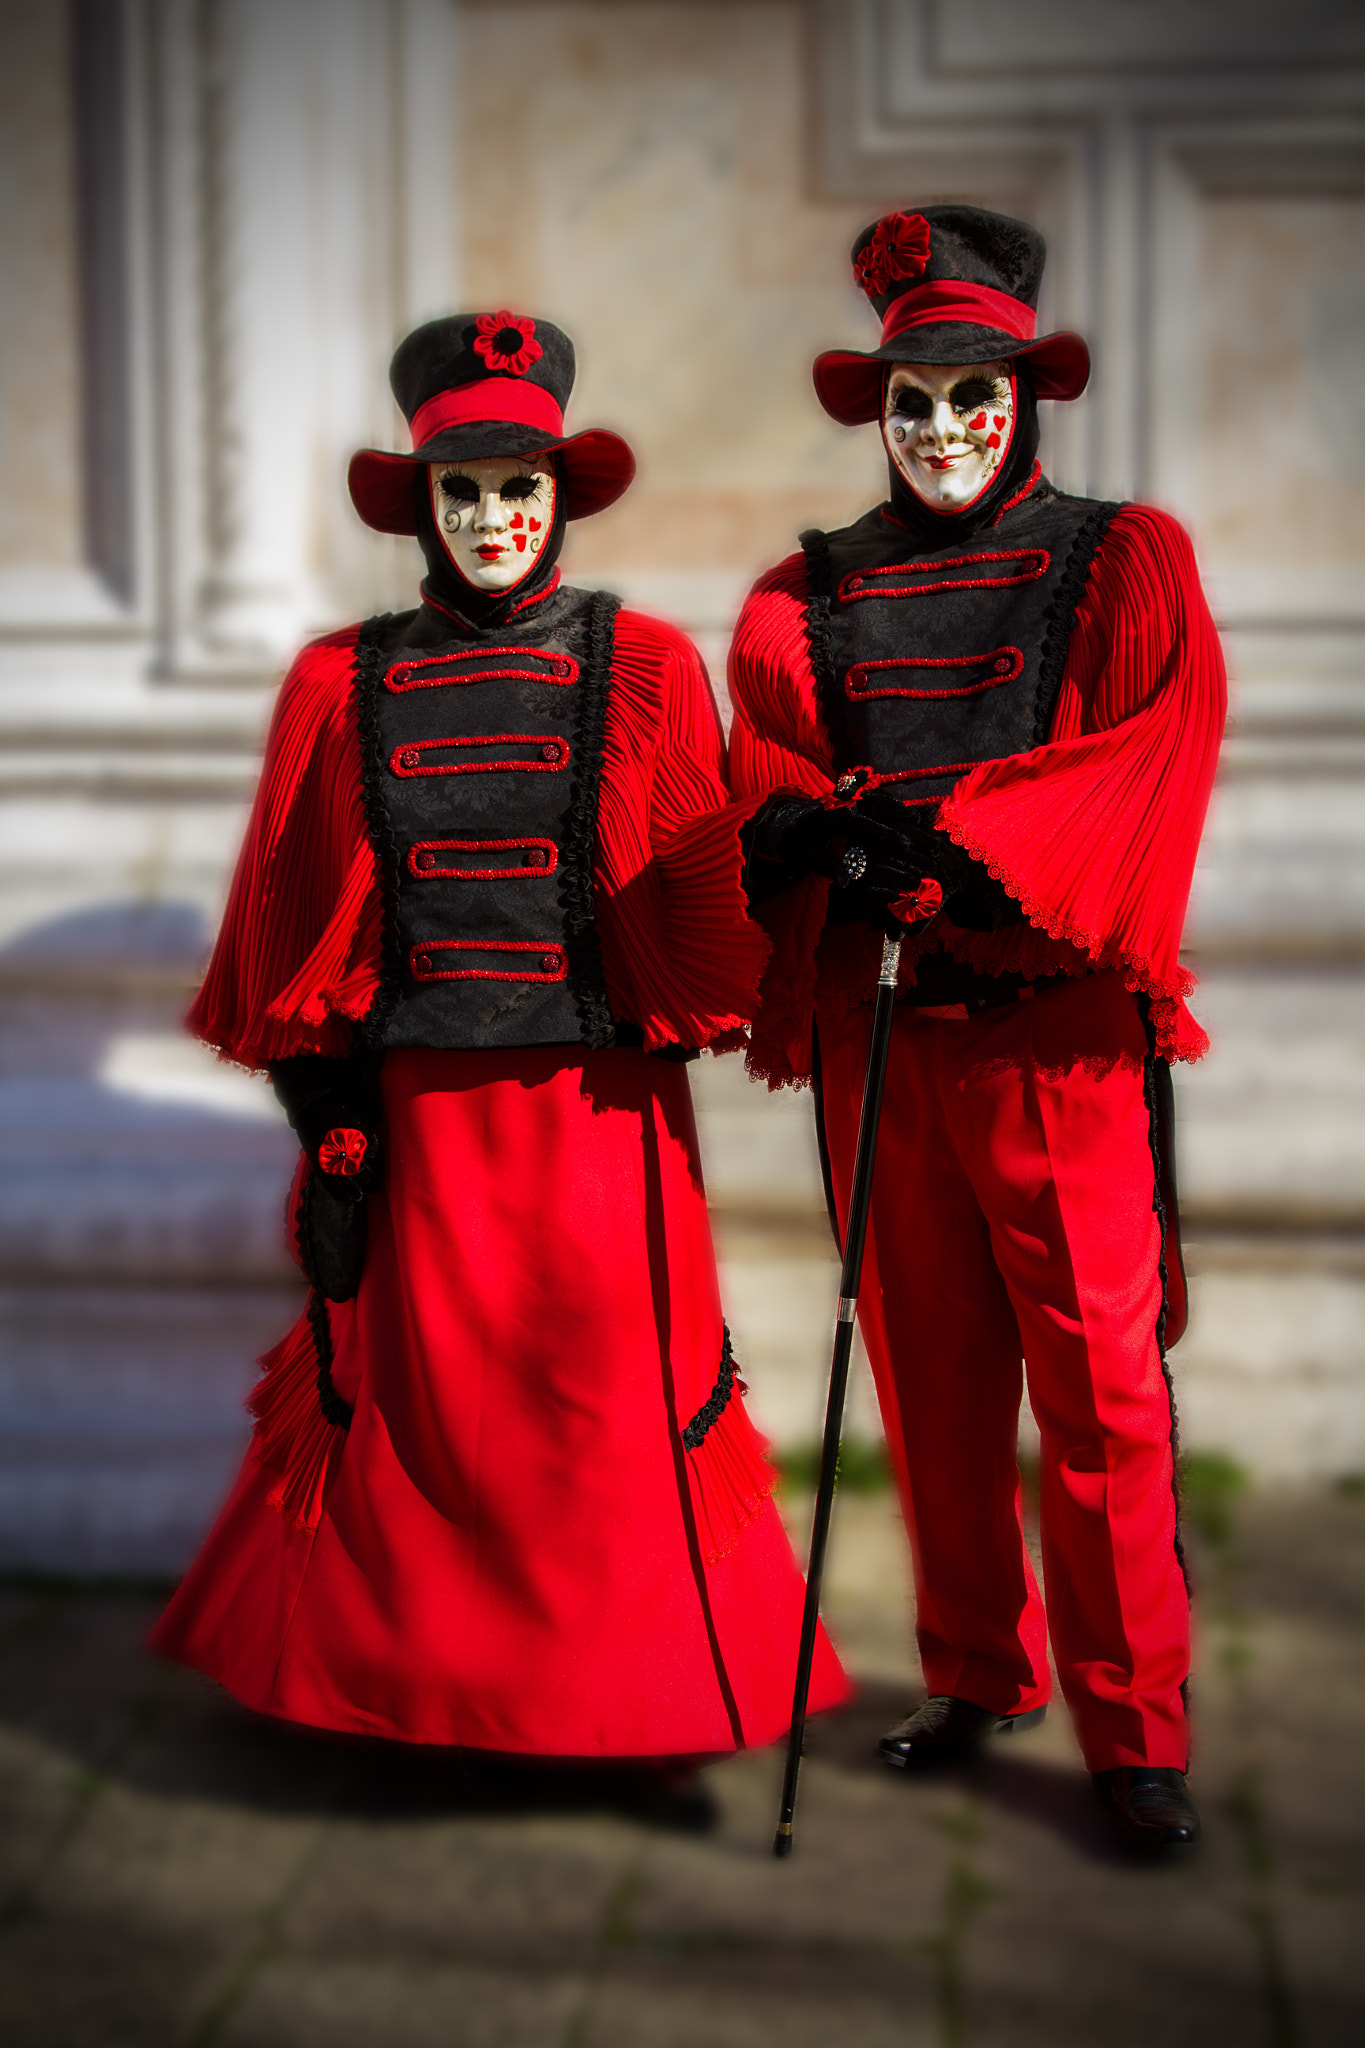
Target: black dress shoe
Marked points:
1153	1804
945	1729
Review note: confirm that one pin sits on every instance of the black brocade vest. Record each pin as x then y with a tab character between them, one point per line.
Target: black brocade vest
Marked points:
929	662
482	764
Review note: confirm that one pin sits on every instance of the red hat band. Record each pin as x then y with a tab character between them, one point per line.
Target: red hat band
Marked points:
502	400
977	305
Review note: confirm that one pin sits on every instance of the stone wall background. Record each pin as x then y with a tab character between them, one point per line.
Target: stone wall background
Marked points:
217	216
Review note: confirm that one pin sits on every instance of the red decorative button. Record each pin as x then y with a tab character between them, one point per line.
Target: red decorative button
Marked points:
549	753
1003	665
534	856
426	860
421	963
549	962
408	758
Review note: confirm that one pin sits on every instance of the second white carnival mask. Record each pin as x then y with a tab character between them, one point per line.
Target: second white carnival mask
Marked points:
948	428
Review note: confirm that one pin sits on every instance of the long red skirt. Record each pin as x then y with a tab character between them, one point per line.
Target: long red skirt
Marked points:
515	1549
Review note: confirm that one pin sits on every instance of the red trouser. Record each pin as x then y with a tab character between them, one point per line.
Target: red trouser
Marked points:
1012	1218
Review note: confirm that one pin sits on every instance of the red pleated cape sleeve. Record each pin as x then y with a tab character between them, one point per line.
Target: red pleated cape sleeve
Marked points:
680	953
298	953
1094	832
298	957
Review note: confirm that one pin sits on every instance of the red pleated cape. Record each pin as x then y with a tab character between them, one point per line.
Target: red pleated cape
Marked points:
1094	832
513	1547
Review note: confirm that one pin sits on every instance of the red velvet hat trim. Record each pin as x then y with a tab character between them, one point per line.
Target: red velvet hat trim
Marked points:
493	398
978	305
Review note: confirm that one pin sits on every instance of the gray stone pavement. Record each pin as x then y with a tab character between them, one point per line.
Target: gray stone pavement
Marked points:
174	1872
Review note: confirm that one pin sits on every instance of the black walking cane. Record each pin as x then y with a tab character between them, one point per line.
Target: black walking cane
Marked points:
855	1235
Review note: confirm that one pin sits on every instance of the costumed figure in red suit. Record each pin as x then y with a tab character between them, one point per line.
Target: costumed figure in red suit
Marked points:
503	1492
992	697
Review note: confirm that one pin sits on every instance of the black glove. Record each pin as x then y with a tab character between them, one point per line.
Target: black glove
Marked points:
792	837
334	1107
972	898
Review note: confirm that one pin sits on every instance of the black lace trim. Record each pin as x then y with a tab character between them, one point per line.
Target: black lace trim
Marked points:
335	1408
369	671
708	1415
819	600
580	830
1149	1090
1061	615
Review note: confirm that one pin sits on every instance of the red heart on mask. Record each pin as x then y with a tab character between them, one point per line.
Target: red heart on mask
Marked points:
515	521
977	424
535	526
1000	418
992	440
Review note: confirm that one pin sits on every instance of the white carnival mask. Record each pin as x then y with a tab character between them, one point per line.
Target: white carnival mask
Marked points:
948	428
494	515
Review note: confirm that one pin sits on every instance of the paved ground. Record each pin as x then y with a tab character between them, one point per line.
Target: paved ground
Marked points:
173	1872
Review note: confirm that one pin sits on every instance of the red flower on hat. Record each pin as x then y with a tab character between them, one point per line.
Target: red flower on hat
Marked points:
507	342
899	249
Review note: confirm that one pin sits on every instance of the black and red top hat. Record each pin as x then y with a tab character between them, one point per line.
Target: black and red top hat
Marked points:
487	384
952	284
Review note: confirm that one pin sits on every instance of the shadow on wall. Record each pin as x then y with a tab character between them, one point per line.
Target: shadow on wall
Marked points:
142	1264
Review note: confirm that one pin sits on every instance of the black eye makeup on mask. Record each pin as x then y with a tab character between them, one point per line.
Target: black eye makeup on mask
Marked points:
974	391
522	486
465	491
456	485
910	403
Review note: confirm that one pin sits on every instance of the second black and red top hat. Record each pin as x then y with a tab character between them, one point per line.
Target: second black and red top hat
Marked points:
951	284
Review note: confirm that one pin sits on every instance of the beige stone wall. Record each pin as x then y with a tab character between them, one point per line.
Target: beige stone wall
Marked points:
39	402
1281	416
643	178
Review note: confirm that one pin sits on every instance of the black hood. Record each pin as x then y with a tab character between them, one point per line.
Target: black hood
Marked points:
481	610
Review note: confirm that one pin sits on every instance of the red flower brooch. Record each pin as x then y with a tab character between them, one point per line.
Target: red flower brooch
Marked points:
507	342
919	904
342	1151
899	249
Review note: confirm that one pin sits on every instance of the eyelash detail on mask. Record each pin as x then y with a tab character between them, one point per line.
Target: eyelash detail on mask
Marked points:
520	487
912	403
467	492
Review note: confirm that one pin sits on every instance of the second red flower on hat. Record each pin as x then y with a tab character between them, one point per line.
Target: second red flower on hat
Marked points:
899	249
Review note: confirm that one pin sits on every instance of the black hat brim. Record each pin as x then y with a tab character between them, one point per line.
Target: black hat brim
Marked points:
594	467
849	384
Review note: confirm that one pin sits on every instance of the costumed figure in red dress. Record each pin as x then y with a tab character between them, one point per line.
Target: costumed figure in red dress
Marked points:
1015	696
503	1492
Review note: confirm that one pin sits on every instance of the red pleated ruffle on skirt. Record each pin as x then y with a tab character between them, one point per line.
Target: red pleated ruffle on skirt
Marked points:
512	1549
